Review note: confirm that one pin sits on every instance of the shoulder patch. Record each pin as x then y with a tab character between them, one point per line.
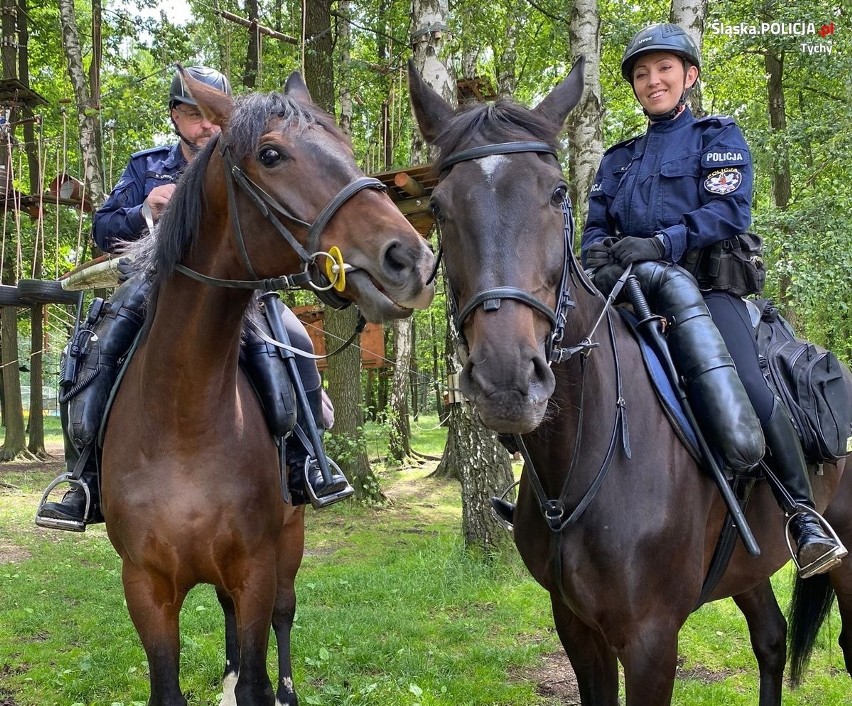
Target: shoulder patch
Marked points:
723	181
725	157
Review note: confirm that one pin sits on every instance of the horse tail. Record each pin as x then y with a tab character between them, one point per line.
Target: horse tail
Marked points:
809	607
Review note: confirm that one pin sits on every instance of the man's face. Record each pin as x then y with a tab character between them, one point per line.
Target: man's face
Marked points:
194	127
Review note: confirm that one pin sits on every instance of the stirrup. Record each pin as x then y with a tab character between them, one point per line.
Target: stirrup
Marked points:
828	560
57	523
320	501
505	524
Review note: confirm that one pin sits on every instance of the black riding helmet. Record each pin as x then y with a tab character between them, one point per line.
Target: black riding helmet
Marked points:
665	37
178	92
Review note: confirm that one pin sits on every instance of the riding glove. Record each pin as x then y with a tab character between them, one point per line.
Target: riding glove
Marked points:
632	249
598	255
605	277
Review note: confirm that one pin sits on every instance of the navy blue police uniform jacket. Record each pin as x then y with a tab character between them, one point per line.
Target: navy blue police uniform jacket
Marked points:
120	218
686	181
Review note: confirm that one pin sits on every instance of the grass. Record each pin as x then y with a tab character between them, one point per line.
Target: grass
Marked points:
392	612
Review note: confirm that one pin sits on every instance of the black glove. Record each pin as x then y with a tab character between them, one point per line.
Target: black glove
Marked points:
598	255
631	249
605	277
126	269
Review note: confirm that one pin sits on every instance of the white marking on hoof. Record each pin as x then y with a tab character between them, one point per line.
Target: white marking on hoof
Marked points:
229	684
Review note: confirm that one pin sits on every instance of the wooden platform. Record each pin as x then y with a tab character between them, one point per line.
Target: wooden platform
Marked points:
372	337
410	189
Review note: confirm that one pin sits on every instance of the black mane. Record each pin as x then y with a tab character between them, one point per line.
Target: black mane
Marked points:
489	123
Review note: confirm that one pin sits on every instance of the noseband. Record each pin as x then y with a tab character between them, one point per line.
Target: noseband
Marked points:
311	276
490	299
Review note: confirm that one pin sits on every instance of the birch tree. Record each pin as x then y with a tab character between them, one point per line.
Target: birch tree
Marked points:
585	140
692	16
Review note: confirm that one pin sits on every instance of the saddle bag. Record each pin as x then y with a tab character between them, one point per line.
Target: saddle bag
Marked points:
810	382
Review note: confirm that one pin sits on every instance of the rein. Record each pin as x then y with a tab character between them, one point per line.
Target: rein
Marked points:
311	276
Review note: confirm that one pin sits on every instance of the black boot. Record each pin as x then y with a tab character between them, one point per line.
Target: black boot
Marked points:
304	466
80	506
817	550
504	512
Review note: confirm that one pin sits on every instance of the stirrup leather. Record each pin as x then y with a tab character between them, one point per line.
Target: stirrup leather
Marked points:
828	560
55	522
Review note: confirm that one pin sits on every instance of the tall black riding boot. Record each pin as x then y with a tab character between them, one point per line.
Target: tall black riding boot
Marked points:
304	466
818	550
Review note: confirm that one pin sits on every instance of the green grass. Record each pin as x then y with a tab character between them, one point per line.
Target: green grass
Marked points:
392	612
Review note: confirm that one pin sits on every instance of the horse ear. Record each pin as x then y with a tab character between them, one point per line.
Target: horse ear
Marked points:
295	87
430	110
214	105
564	97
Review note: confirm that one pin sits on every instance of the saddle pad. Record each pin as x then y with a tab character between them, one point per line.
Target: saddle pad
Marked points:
666	393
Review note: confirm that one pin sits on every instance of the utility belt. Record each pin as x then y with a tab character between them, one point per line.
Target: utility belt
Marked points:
734	265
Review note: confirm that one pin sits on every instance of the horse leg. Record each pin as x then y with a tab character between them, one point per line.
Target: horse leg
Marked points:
254	603
290	551
154	606
768	631
594	663
232	650
649	659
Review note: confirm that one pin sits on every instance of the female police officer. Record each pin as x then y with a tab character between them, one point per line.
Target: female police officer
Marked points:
673	193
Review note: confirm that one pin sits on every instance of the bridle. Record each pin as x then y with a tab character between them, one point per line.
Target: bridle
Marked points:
491	298
556	511
311	276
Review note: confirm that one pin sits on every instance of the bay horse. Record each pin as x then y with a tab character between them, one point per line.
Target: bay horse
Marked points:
191	487
625	550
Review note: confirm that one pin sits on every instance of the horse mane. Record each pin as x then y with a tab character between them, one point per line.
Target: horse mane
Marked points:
502	121
180	223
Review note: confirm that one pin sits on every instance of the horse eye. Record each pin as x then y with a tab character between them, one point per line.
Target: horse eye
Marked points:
559	194
437	212
269	156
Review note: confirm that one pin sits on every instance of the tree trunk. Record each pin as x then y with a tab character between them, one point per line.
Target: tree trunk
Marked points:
399	441
781	179
252	67
585	140
15	442
692	16
87	113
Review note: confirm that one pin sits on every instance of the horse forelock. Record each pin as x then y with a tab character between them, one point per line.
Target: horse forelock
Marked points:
491	123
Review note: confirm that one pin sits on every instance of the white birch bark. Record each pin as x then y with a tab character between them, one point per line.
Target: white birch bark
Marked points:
692	16
585	139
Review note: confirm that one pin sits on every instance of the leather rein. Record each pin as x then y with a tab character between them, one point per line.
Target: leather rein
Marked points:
556	512
311	276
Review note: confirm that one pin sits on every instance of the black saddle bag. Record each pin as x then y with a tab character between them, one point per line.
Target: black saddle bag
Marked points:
810	382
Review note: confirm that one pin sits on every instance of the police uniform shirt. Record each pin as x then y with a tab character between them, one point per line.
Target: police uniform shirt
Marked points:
688	180
120	218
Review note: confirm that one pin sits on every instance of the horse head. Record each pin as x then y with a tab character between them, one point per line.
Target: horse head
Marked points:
501	204
298	203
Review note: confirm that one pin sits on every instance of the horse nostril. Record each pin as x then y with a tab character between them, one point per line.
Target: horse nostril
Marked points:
397	261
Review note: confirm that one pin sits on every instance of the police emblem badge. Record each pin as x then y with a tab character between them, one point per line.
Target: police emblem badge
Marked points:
723	181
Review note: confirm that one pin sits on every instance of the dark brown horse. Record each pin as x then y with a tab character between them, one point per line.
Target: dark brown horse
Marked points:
191	486
637	534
